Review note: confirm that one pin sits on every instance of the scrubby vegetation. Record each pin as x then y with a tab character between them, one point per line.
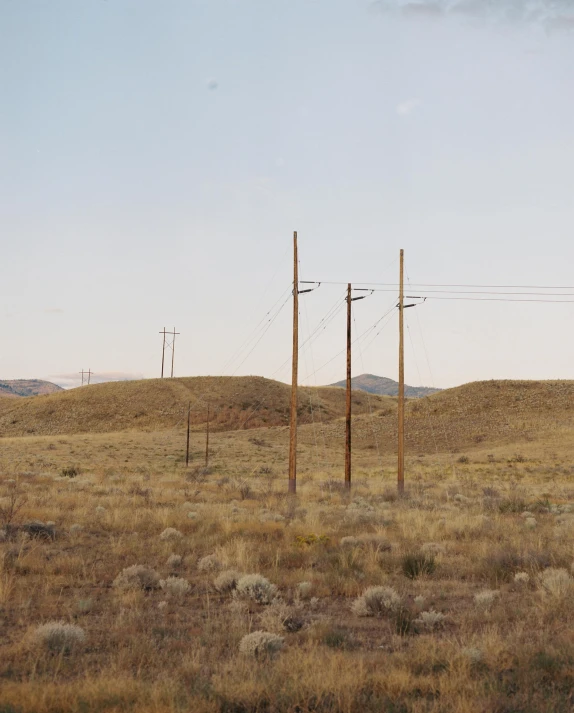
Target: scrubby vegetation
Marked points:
114	599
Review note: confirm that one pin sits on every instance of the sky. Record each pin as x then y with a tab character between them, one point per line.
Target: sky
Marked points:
156	157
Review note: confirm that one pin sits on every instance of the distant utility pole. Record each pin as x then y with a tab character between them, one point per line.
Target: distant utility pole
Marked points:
169	346
294	374
87	374
401	408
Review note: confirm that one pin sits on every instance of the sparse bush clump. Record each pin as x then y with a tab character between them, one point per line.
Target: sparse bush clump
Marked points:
137	577
416	564
255	587
209	563
226	581
485	599
376	601
349	541
303	590
473	654
261	645
430	619
522	577
57	637
70	471
174	561
279	617
516	505
170	533
557	583
176	586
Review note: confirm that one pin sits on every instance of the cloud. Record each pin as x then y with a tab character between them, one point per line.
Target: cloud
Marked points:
54	310
407	107
69	381
550	14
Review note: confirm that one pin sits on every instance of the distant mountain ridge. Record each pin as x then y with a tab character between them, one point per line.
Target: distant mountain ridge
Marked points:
383	386
27	387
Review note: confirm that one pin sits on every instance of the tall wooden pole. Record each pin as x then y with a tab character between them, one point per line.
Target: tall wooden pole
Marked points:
173	352
207	439
294	374
348	402
163	353
188	425
401	410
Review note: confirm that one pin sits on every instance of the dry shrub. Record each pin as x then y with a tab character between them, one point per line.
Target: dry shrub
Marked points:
557	583
255	587
175	586
430	619
280	617
209	563
376	601
261	645
170	533
226	581
57	637
485	599
137	577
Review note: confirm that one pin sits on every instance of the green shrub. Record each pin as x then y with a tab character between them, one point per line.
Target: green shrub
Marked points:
70	471
416	564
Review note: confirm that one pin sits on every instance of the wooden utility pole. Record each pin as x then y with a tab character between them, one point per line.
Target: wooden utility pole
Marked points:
207	439
188	426
401	409
173	351
348	402
162	352
294	374
172	346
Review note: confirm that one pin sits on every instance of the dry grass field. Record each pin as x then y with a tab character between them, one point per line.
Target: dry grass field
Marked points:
130	583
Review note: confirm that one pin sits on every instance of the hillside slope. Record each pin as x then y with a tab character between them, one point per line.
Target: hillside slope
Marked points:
155	404
27	387
383	386
470	415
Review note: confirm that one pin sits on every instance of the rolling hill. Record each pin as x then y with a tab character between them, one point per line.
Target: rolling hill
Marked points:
383	386
27	387
471	415
155	404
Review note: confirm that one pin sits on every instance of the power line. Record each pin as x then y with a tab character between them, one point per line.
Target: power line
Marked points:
498	299
428	284
263	333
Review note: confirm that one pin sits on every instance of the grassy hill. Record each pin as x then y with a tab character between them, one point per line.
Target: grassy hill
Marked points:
27	387
156	404
383	386
471	415
468	416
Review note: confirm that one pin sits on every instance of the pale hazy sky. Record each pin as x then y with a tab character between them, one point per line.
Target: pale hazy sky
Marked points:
155	158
